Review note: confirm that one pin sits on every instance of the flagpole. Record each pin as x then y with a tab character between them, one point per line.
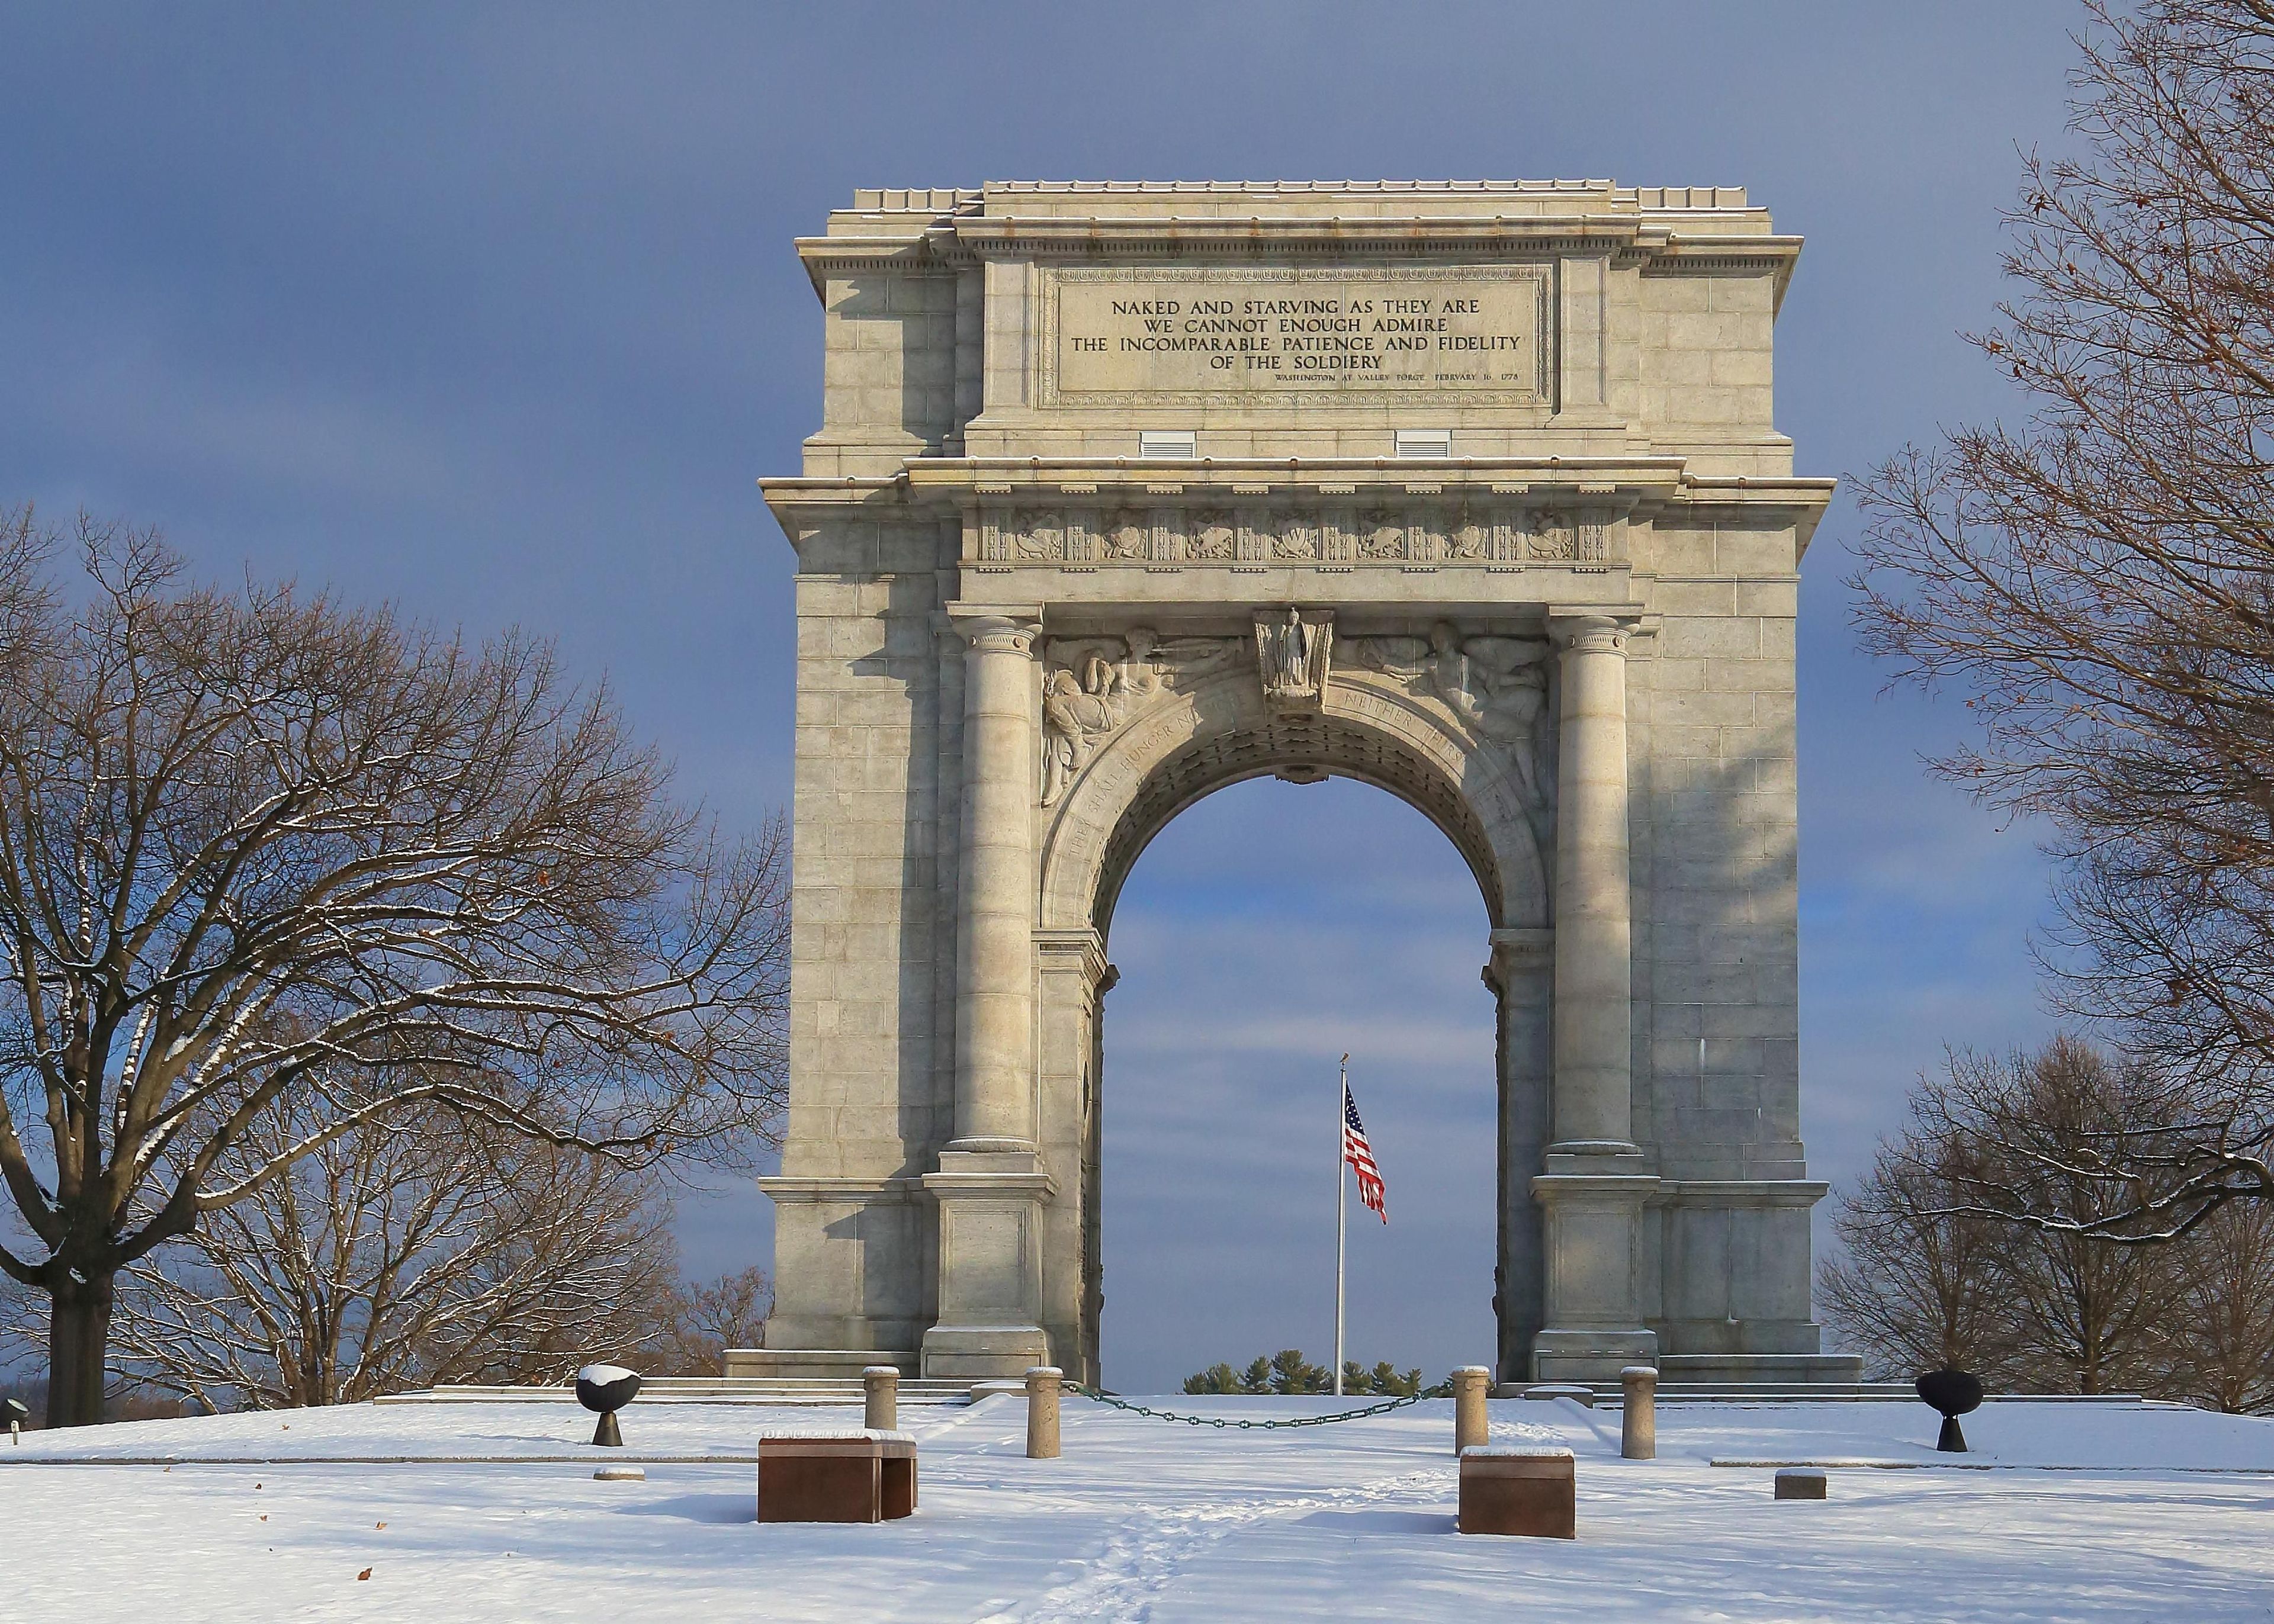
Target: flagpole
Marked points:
1341	1185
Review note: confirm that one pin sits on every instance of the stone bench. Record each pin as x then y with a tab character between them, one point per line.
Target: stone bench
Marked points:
858	1476
1519	1489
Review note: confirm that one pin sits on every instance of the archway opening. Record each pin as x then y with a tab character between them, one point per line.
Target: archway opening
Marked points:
1267	929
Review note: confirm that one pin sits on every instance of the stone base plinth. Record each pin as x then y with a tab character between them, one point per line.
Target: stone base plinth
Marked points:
985	1352
1786	1369
813	1364
1591	1356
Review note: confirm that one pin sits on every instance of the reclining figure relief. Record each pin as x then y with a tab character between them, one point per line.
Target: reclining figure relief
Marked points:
1497	689
1091	686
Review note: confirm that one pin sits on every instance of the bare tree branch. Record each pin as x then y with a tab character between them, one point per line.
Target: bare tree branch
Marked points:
2098	582
267	860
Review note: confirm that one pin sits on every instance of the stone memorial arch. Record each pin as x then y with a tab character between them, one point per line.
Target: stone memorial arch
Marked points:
1125	492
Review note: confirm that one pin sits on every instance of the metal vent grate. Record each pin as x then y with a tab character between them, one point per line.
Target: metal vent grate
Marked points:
1425	442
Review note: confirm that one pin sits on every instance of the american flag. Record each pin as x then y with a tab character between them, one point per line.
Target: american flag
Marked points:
1359	1154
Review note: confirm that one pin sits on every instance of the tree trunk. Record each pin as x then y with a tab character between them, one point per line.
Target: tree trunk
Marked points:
79	1336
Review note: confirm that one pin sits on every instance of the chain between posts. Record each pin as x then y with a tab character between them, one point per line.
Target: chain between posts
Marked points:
1441	1390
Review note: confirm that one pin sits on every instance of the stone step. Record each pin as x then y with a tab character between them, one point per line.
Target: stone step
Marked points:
1609	1393
700	1390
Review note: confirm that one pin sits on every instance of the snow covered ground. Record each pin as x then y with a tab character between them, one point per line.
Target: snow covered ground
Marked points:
489	1513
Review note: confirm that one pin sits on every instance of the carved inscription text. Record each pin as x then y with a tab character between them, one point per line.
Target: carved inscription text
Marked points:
1364	331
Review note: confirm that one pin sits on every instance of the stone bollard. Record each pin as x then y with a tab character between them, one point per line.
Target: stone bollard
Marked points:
1638	1424
883	1386
1471	1383
1043	1412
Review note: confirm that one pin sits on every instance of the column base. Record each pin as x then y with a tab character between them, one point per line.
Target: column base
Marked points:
990	1262
982	1352
1592	1197
1591	1356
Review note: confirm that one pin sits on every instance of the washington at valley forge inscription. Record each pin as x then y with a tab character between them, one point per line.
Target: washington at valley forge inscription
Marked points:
1127	491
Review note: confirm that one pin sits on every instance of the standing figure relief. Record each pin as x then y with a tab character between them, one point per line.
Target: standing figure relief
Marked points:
1291	655
1496	688
1092	685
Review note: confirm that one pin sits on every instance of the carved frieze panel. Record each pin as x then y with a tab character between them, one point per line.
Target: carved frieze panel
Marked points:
1469	539
1043	539
1405	533
1293	537
1382	537
1128	536
1212	537
1553	539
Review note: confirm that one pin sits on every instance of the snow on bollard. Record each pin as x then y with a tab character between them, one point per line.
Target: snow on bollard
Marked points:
621	1474
1043	1412
1470	1426
1638	1422
1519	1489
605	1389
880	1383
1800	1483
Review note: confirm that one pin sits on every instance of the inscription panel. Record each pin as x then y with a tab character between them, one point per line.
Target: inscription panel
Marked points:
1373	335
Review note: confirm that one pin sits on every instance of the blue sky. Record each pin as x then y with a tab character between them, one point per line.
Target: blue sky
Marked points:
491	311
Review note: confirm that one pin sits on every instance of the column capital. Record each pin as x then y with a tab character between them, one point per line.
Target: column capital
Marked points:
1081	953
1582	630
1516	950
996	629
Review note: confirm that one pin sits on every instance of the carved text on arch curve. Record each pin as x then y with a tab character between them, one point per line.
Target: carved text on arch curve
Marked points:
1092	685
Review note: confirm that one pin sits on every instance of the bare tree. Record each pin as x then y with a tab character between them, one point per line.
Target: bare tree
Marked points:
265	859
412	1251
700	1322
2100	579
1913	1286
1935	1270
2222	1330
2032	1132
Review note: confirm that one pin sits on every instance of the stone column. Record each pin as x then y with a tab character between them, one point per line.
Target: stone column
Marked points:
992	1185
1071	978
1594	947
1595	1181
994	942
1522	973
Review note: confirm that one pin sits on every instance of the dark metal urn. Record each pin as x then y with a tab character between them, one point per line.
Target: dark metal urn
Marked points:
1953	1393
606	1388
